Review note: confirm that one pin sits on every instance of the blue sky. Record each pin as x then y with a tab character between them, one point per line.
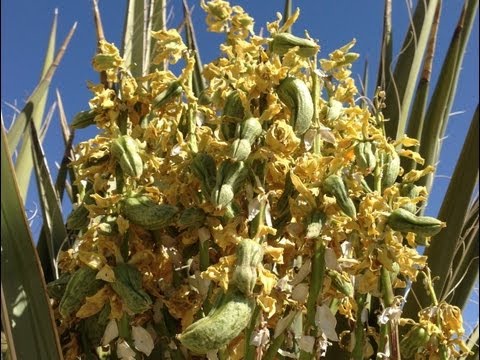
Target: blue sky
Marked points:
26	25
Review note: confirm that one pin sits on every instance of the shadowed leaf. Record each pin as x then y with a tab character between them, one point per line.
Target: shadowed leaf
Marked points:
23	290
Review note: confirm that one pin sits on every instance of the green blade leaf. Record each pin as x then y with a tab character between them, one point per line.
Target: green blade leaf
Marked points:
439	108
17	130
287	12
417	116
53	224
453	211
23	163
384	74
133	38
68	136
464	276
35	333
400	91
157	21
197	81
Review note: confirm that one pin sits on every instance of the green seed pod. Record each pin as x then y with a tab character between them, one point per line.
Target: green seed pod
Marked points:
240	149
283	42
414	340
341	282
249	255
232	210
56	288
204	168
295	95
334	185
128	285
143	211
79	218
83	119
125	150
220	327
191	217
82	283
391	168
230	177
411	191
314	223
365	155
233	112
335	109
250	129
173	90
404	221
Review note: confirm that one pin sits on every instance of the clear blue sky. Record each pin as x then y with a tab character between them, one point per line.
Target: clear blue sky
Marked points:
26	25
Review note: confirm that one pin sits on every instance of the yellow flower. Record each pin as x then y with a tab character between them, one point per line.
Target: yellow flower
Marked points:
281	138
170	46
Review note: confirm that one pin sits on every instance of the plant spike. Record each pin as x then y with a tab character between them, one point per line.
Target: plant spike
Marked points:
384	69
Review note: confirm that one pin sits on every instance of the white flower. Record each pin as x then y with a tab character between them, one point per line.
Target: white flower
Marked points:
326	321
142	340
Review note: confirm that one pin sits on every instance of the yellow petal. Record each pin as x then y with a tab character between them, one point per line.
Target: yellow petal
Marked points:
93	304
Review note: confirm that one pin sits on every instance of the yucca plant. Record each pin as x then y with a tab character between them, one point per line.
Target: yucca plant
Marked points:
251	208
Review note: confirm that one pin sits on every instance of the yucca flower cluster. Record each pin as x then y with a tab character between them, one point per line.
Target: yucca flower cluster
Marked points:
244	221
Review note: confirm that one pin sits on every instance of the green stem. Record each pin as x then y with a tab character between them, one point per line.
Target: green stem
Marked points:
316	282
357	353
250	349
273	348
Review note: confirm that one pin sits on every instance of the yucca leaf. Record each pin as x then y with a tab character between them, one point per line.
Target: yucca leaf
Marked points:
24	290
415	122
384	72
53	224
463	277
472	344
287	12
400	91
453	210
68	135
28	112
133	37
23	163
438	111
197	83
100	36
157	21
